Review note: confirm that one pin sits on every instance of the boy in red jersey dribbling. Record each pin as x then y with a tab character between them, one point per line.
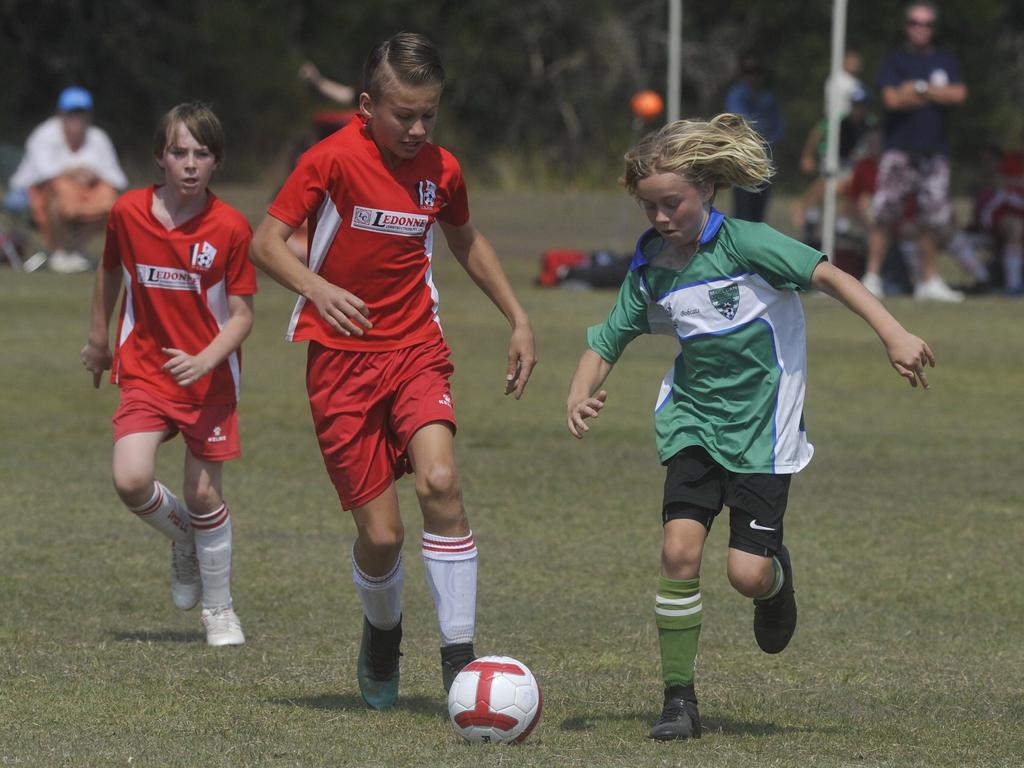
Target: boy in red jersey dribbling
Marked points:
182	255
378	365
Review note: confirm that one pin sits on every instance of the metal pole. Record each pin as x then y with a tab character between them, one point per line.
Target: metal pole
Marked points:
675	57
828	221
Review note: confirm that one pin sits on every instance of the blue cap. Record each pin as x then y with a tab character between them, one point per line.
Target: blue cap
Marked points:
74	98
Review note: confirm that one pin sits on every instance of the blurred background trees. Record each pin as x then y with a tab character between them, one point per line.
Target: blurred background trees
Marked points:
538	90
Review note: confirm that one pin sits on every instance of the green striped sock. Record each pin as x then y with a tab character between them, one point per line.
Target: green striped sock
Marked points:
677	613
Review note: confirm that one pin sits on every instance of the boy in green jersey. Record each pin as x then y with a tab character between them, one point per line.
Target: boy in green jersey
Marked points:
729	417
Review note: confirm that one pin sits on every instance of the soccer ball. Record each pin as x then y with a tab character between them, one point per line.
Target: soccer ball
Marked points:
494	700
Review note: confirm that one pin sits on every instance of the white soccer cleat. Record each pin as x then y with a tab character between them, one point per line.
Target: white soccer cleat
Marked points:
186	583
935	289
222	626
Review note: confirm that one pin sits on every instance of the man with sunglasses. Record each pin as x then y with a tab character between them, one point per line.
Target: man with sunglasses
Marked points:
919	84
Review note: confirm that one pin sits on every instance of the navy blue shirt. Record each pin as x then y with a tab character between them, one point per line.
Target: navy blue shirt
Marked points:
760	109
922	130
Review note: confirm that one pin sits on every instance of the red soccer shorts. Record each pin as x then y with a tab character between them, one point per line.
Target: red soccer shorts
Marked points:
367	406
210	431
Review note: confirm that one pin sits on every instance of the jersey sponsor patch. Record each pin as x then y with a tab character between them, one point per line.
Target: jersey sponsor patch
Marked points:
169	278
203	255
389	222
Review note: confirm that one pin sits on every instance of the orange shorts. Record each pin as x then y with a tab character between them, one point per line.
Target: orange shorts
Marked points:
366	407
72	201
210	431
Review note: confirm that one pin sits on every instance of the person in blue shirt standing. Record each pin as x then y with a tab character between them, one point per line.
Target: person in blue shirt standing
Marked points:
751	97
919	84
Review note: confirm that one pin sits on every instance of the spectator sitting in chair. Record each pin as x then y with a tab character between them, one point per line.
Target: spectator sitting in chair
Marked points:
72	176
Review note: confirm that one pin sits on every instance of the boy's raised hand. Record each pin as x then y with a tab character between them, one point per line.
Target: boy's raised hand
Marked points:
910	356
588	408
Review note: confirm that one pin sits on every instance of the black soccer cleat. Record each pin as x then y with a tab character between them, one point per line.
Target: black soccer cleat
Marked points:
680	718
775	618
453	658
377	668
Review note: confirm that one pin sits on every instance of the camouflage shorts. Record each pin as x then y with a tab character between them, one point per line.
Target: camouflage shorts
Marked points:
902	176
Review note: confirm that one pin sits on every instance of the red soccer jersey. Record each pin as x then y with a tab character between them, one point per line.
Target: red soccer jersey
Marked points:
370	233
177	285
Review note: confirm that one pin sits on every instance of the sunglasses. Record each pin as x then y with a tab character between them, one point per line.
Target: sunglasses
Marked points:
920	23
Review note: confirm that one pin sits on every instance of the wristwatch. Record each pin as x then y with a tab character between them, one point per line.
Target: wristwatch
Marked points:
921	86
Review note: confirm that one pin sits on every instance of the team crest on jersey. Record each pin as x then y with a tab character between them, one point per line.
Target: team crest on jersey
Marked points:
203	255
428	193
726	300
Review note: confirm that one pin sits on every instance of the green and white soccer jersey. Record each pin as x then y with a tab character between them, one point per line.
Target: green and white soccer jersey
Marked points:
737	386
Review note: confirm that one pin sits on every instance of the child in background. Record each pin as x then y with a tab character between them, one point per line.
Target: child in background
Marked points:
183	256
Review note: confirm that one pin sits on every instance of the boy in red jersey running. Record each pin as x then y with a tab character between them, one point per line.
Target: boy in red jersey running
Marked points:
378	365
183	257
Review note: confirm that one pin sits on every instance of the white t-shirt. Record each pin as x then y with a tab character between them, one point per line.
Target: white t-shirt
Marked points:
846	84
47	155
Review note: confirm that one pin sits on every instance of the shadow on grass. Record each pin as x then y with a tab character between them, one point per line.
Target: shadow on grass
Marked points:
727	725
159	636
422	705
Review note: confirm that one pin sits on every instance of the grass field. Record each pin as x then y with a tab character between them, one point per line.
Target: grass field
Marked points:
906	532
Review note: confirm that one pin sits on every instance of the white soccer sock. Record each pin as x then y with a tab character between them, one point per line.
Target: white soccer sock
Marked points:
1013	267
165	513
213	549
381	596
451	574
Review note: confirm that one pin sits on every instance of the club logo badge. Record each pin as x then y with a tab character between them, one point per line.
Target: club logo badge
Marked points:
726	300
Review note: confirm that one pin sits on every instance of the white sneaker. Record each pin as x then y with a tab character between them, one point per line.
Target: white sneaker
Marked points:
873	282
935	289
68	262
186	583
222	626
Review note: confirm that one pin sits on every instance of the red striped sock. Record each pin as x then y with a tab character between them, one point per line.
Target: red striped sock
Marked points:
165	513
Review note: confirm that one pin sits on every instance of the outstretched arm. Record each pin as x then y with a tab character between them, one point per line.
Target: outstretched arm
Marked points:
908	354
96	355
339	92
344	311
583	402
478	258
187	369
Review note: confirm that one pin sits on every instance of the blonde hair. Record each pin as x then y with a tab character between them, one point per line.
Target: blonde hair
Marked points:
724	150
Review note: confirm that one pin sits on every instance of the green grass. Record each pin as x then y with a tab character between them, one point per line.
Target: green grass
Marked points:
906	532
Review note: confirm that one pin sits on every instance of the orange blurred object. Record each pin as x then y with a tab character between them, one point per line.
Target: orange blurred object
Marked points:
646	105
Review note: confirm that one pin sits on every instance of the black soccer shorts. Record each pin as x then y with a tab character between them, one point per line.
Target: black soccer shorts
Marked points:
697	487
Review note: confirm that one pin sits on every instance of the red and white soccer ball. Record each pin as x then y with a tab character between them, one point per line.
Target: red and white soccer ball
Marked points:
495	700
